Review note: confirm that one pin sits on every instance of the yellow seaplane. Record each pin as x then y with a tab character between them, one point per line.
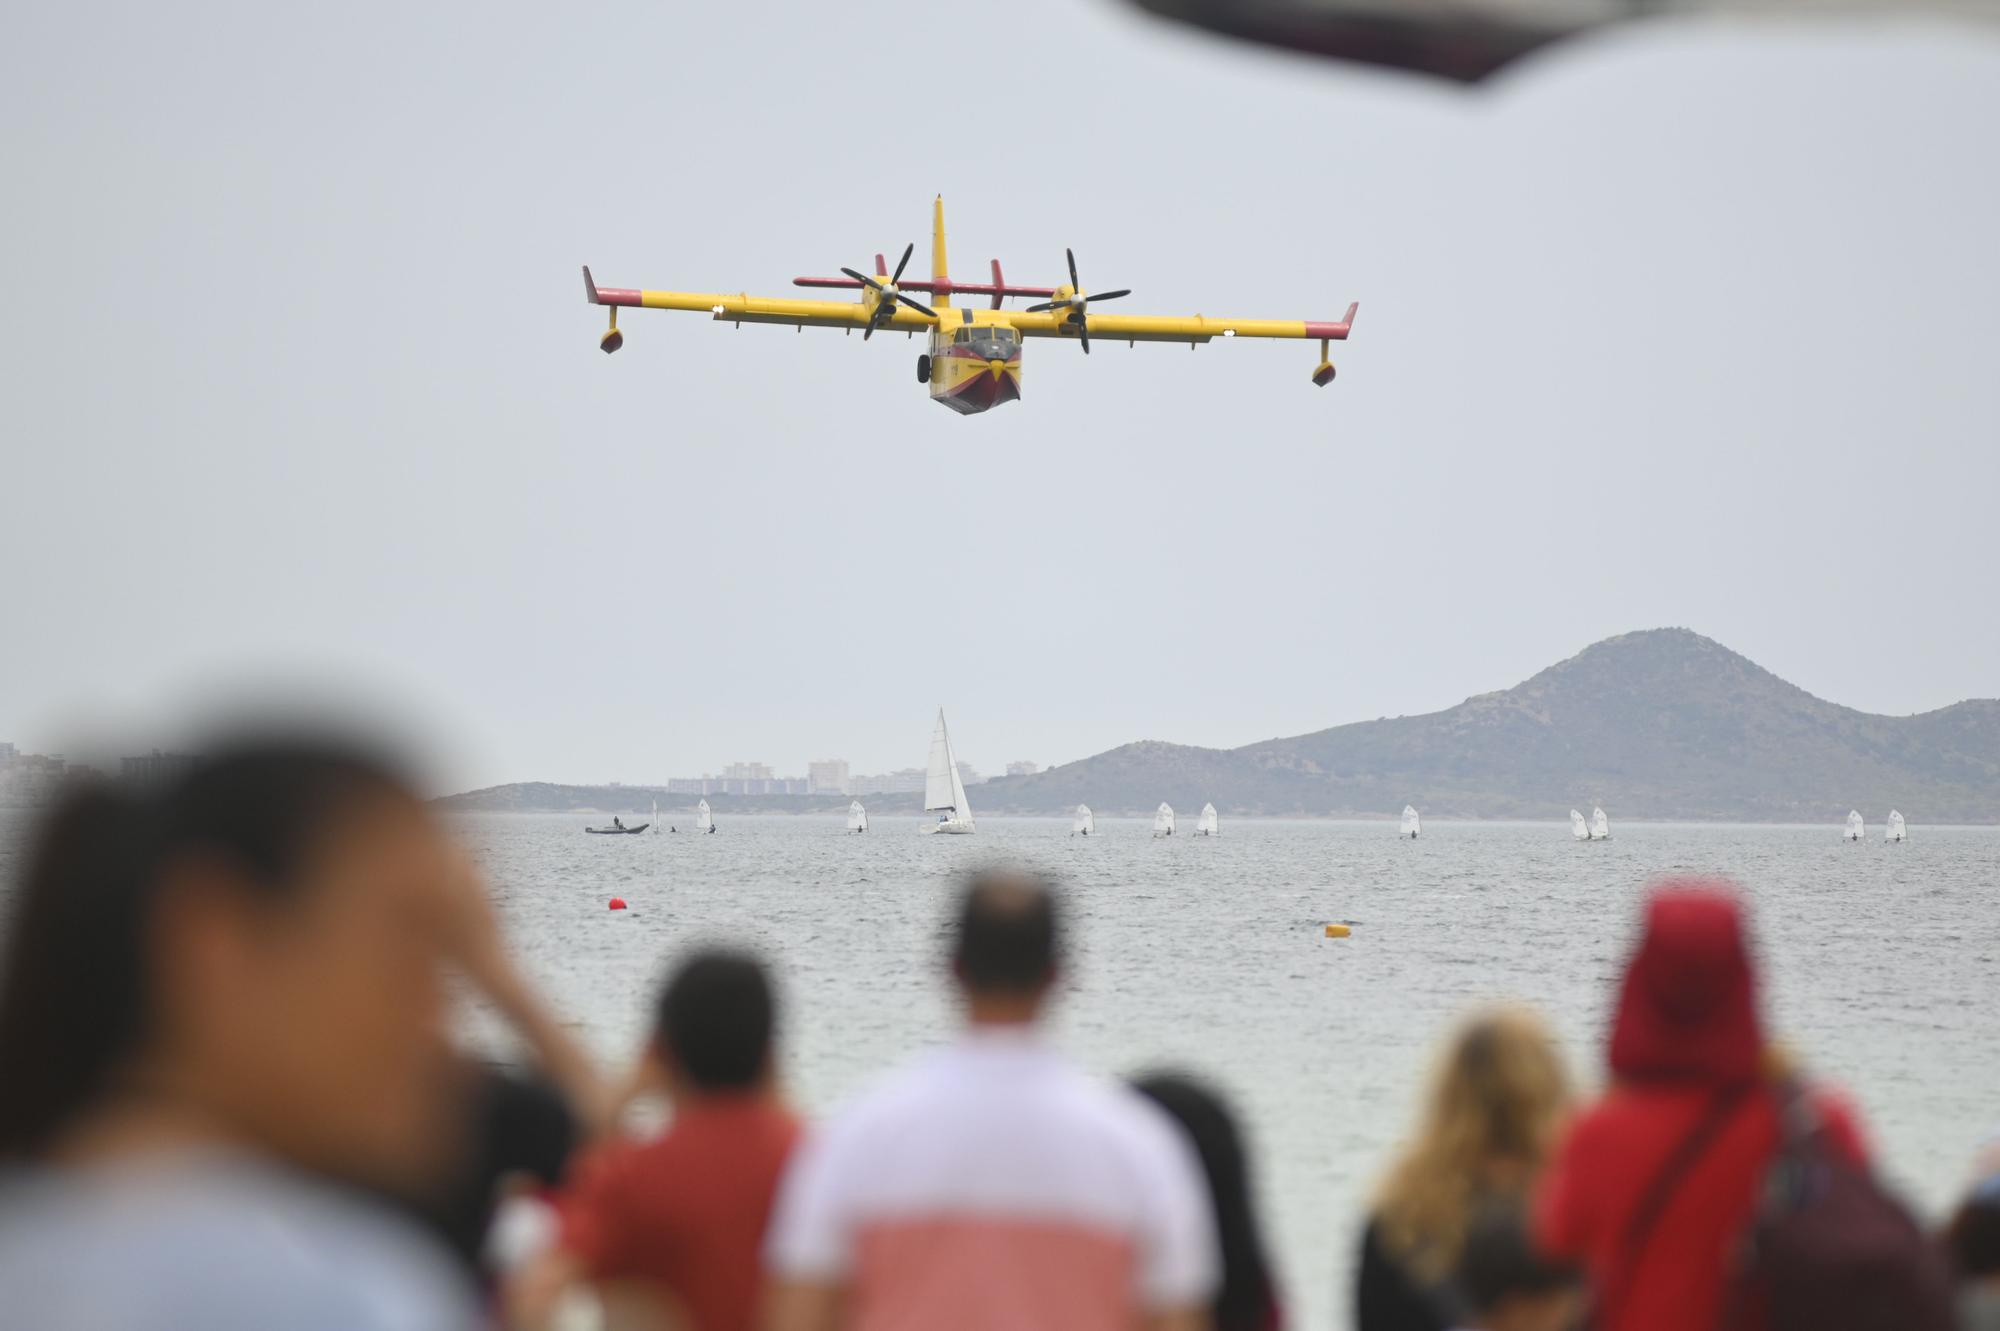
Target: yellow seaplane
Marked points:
973	356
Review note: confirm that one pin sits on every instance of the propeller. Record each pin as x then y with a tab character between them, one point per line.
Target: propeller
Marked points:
887	294
1077	302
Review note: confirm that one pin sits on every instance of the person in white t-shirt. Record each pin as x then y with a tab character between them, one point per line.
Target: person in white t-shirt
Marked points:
993	1185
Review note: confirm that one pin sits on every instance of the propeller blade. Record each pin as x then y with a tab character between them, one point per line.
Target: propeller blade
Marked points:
1083	336
1110	295
916	304
863	278
1074	281
903	262
1045	305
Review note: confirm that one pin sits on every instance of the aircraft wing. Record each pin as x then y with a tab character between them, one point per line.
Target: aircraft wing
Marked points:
743	308
1168	328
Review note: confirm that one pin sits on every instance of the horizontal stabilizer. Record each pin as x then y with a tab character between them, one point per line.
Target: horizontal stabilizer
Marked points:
954	287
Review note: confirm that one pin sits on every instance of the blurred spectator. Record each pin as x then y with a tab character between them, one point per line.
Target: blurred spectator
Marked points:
1495	1108
215	999
520	1126
1247	1299
1506	1284
992	1185
674	1226
1657	1184
1972	1241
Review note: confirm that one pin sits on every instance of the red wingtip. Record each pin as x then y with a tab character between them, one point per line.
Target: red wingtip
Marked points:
589	287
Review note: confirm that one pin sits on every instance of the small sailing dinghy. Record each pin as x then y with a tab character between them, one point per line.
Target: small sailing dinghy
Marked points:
1163	820
1577	827
1084	824
656	817
1895	832
704	817
1206	824
944	788
617	828
857	817
1600	826
1855	827
1411	823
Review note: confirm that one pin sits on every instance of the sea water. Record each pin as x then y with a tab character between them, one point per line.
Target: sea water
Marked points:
1881	965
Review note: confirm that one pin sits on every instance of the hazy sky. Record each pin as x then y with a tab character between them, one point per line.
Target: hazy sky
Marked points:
1689	326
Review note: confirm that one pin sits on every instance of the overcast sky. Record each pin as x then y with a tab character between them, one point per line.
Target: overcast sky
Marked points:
1689	326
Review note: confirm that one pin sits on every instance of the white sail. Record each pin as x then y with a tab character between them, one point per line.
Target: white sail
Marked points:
944	789
1855	827
704	819
1895	832
857	817
1206	824
1577	827
656	817
1163	820
1411	823
1600	826
1084	823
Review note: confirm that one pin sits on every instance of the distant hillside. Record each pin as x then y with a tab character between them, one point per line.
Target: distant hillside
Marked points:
1657	724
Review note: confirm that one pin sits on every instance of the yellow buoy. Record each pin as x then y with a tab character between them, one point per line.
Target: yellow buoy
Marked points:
1337	931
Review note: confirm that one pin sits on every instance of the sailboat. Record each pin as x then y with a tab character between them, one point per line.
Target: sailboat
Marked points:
1895	832
857	817
1084	824
1206	824
1411	823
1855	827
1163	820
656	817
704	818
1577	827
944	789
1600	826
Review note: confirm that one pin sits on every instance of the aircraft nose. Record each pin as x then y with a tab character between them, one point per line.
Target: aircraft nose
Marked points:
998	367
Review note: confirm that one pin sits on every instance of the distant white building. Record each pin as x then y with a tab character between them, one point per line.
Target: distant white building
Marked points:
1023	768
829	776
906	781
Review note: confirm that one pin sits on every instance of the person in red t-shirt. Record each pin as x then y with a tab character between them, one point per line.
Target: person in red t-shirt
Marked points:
1691	1102
678	1221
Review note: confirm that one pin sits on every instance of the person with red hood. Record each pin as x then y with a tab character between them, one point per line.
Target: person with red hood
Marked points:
1655	1186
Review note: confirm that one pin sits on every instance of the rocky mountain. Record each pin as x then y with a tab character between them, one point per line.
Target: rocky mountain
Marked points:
1657	724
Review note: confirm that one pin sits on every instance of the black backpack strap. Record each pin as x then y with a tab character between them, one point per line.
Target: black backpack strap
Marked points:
1653	1202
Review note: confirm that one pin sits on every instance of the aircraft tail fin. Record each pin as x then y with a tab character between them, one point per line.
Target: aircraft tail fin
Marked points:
940	279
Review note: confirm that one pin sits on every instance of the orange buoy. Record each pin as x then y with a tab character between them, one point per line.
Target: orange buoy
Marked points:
1337	931
618	903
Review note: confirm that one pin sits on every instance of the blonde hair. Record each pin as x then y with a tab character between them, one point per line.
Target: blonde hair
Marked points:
1496	1103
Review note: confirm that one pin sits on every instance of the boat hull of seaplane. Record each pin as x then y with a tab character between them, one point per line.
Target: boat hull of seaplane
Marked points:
969	383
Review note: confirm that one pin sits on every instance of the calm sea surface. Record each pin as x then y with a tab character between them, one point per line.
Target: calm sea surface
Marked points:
1882	964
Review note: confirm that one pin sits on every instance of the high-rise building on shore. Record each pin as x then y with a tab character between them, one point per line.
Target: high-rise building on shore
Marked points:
829	776
29	779
155	768
904	781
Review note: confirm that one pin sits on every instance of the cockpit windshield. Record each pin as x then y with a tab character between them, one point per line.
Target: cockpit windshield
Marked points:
994	342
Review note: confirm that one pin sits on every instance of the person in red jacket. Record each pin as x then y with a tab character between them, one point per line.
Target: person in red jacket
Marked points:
1654	1186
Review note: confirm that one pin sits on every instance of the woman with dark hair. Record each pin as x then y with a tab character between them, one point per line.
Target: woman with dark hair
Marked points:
1247	1299
221	1005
